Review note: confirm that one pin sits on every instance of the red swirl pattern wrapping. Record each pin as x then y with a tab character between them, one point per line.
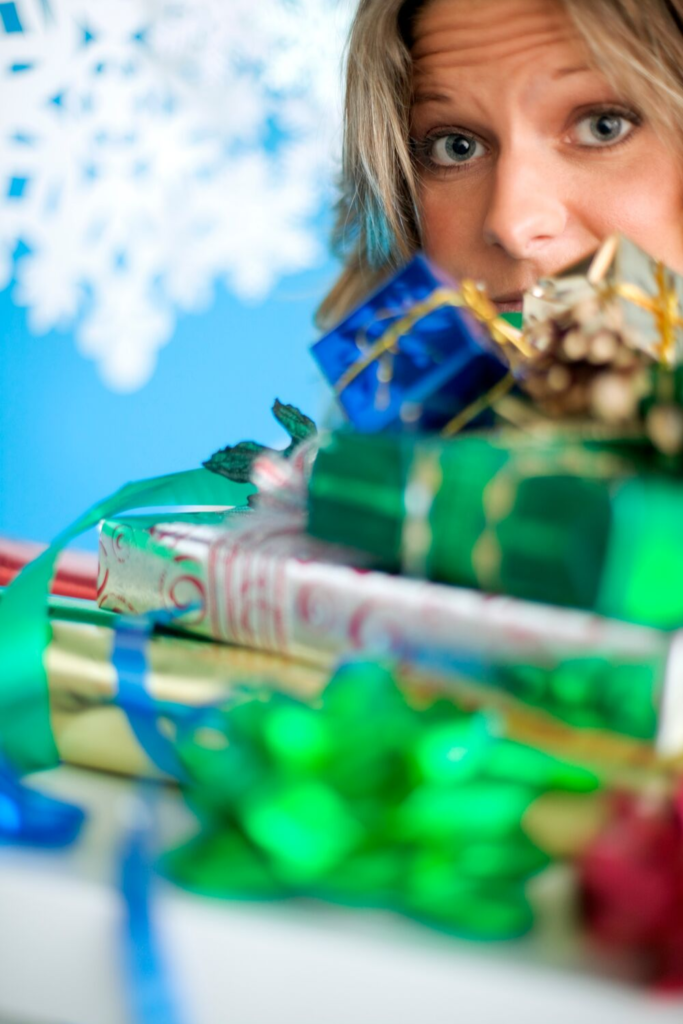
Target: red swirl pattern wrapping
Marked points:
263	583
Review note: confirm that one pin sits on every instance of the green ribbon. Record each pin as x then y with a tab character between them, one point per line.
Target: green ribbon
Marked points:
26	737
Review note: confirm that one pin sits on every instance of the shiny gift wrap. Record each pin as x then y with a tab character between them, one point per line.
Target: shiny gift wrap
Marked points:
89	710
542	520
260	582
416	352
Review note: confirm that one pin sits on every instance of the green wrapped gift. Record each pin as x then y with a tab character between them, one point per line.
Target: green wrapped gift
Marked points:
554	521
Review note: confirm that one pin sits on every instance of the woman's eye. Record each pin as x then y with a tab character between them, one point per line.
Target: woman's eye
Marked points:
455	149
603	129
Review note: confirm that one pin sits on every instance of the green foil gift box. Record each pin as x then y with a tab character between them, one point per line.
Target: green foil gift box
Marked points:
549	521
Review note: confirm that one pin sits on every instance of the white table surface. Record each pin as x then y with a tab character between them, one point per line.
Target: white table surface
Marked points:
61	925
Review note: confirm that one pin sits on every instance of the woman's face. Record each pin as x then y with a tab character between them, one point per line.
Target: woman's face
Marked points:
527	158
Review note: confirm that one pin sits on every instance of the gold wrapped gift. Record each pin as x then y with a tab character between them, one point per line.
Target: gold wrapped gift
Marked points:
91	731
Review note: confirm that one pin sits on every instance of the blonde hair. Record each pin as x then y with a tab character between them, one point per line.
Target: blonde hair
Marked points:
637	44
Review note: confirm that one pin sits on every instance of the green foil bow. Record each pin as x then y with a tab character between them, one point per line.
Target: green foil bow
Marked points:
366	799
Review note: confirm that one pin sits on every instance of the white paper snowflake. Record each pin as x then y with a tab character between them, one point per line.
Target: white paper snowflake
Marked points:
152	148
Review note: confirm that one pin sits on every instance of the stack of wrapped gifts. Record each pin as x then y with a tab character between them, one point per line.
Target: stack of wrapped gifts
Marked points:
433	653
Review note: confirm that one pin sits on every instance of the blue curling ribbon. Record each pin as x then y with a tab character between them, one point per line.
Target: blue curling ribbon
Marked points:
129	658
150	992
31	818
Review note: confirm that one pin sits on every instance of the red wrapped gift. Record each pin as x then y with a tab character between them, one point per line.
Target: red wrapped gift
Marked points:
76	570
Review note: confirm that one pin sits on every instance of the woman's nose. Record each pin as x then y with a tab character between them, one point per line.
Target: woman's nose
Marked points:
526	211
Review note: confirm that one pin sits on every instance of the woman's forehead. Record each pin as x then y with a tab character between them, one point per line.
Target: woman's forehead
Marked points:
468	33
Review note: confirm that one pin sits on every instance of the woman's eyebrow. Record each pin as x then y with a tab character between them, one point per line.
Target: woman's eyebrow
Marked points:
422	96
579	70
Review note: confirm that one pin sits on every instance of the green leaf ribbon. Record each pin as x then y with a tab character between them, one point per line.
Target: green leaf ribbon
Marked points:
235	461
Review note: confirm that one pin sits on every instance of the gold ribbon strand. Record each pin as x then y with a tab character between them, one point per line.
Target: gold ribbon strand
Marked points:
664	308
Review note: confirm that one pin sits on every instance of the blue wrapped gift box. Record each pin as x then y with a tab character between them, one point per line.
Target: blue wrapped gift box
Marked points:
404	357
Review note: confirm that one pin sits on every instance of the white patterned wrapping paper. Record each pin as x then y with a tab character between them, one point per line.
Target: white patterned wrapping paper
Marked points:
257	580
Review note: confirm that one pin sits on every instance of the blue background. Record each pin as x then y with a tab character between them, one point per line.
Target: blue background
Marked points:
66	440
